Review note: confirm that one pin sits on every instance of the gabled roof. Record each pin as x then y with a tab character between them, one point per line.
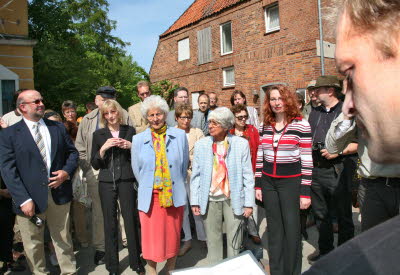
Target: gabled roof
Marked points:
199	10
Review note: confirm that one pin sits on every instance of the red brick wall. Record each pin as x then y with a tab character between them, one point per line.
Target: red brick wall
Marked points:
288	55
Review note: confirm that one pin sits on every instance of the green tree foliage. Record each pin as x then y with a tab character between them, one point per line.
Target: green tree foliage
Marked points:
165	88
76	52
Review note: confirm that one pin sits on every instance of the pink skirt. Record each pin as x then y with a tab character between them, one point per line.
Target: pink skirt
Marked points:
161	231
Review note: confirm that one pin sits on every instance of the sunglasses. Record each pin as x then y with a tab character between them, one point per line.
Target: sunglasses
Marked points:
37	102
242	117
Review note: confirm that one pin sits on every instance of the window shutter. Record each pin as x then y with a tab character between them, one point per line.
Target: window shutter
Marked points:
204	45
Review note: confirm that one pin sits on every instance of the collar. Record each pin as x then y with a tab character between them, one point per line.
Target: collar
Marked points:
93	114
332	109
31	123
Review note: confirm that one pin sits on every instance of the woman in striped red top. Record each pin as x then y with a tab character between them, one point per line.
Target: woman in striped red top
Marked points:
283	177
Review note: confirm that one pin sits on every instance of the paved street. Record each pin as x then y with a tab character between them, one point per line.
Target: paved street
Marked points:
195	257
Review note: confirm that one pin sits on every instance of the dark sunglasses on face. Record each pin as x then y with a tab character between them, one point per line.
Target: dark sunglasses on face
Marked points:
242	117
37	101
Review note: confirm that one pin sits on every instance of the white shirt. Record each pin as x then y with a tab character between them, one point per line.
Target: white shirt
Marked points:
46	139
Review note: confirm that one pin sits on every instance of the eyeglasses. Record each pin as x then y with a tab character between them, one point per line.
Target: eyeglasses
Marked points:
185	118
37	102
145	94
242	117
156	115
213	123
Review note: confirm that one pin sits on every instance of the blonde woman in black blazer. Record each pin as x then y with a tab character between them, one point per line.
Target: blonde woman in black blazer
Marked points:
111	154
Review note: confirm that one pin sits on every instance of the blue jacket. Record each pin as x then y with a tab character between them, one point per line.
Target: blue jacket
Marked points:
143	165
24	171
240	174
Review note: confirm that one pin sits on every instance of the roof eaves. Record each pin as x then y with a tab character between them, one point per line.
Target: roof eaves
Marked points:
167	33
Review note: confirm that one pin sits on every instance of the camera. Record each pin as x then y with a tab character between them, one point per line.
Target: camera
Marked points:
37	221
318	146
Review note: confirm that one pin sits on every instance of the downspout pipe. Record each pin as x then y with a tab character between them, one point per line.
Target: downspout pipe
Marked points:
321	39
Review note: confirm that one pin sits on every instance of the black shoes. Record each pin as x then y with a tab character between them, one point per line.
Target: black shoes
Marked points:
312	258
13	266
140	270
99	257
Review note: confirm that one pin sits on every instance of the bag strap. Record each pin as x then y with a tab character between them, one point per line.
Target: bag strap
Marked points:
241	230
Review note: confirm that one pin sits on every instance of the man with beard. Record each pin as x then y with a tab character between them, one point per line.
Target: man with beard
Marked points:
37	161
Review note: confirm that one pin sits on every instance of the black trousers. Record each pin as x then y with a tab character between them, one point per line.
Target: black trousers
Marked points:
109	197
7	220
381	201
331	193
281	198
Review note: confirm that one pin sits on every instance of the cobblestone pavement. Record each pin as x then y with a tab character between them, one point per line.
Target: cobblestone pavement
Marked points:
195	257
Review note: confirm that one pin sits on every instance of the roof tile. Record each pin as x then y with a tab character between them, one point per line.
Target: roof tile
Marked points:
199	10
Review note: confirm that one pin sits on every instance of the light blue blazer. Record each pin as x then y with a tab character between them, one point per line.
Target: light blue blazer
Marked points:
240	174
143	165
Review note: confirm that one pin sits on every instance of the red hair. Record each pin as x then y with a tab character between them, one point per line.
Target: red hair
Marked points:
289	99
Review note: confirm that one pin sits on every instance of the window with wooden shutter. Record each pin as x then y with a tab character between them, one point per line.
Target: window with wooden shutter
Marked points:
204	45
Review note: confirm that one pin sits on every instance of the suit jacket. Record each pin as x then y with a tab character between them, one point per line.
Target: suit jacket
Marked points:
116	161
138	120
143	165
240	174
23	169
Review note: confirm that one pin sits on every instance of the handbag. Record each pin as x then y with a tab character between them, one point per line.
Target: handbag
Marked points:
247	243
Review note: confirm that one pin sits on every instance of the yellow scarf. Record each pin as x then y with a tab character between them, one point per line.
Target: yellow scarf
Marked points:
162	176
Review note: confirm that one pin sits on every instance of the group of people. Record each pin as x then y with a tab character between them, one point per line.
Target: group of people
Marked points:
154	166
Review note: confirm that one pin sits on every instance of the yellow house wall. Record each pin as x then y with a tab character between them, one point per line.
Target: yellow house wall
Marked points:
15	17
14	57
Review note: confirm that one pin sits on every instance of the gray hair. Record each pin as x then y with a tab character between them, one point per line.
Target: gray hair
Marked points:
223	116
154	102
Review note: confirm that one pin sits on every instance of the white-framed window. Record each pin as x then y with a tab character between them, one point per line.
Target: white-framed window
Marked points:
183	49
228	76
272	18
226	38
204	46
9	83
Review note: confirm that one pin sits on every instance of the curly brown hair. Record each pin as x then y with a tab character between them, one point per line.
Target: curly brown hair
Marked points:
289	99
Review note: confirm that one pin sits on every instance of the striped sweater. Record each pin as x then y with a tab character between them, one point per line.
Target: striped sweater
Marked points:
291	158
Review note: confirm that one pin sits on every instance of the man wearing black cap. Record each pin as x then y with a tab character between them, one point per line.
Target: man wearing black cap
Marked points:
330	193
83	143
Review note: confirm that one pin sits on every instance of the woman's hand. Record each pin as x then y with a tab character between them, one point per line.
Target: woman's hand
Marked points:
305	203
111	142
124	144
196	210
259	194
247	211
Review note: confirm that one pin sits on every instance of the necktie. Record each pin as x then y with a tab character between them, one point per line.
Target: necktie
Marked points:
40	143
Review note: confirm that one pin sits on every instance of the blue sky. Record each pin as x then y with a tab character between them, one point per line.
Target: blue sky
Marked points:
140	22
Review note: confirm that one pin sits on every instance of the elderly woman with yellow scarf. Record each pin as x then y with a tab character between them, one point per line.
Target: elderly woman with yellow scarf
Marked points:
160	159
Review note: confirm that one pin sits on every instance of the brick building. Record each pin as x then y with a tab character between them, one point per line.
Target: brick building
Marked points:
223	45
16	63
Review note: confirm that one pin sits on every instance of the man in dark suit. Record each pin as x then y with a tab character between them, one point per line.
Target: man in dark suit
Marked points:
37	161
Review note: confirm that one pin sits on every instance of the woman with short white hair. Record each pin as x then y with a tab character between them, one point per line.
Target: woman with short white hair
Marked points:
160	159
222	183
